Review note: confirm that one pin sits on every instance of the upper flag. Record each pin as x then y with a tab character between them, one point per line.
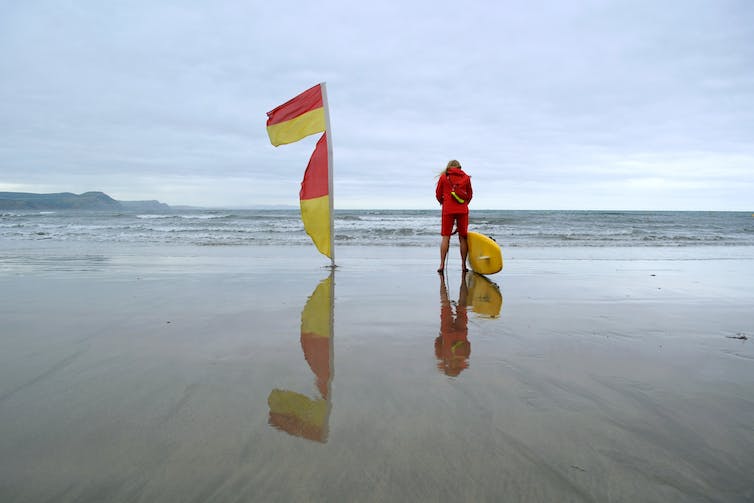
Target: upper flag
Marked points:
297	118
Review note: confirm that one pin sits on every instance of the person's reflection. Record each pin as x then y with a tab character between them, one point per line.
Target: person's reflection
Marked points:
293	412
452	347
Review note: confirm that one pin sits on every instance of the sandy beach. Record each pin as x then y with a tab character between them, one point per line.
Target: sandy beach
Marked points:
187	374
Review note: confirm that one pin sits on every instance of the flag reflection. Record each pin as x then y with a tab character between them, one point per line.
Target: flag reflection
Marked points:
296	413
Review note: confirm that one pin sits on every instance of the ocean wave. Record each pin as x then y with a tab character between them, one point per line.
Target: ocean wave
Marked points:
161	216
388	228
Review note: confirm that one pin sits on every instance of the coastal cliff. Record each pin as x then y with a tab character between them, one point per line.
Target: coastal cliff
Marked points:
95	201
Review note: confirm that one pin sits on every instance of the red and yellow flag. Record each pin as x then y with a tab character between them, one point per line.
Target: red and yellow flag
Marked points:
315	199
302	116
297	118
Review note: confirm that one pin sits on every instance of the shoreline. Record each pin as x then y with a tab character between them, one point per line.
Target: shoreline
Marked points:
34	255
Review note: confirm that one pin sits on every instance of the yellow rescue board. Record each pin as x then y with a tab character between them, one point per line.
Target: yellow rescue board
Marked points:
485	256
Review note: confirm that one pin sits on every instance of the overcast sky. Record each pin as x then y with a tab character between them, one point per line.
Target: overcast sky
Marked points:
547	104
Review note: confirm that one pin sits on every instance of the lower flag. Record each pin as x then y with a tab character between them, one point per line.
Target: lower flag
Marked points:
315	199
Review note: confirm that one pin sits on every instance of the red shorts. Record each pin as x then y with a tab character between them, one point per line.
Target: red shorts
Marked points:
462	221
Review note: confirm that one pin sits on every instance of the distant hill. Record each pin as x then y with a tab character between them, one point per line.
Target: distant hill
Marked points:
69	201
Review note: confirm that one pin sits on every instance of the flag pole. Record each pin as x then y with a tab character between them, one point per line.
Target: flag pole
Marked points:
328	132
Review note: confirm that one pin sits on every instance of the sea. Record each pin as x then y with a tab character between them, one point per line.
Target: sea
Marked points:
394	228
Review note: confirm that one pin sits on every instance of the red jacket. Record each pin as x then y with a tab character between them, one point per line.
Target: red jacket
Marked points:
454	180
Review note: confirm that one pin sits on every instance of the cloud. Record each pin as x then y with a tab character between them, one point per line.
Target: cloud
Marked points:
547	104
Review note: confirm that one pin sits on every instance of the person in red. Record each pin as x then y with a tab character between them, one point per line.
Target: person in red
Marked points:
454	192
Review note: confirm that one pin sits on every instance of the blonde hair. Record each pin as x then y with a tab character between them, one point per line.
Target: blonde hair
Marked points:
451	164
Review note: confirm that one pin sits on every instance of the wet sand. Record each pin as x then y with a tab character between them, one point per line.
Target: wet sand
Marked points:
186	374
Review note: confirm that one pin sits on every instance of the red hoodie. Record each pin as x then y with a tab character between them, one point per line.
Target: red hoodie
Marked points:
454	179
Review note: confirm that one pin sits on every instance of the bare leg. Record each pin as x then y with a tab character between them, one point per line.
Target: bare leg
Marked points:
444	246
464	250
